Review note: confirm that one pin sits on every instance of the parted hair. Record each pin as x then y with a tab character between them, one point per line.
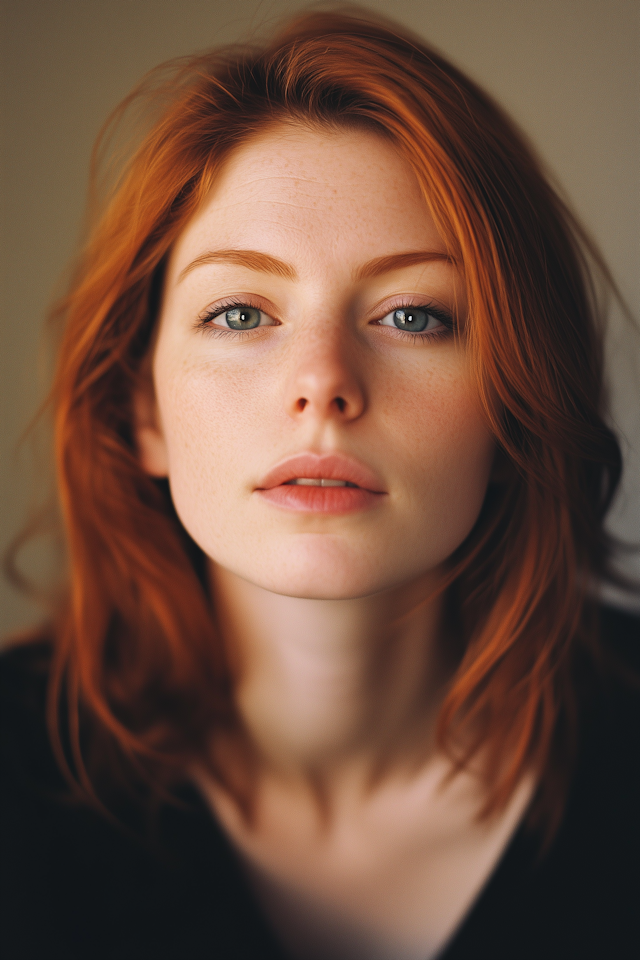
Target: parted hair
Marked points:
137	657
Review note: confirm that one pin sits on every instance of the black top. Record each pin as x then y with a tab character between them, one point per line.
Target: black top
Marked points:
76	887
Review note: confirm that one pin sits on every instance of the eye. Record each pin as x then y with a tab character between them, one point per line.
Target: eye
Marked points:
415	320
240	317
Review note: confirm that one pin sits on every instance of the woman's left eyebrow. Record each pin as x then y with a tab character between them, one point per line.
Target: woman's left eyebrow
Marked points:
396	261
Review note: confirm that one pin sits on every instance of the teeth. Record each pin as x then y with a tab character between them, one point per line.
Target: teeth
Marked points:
309	482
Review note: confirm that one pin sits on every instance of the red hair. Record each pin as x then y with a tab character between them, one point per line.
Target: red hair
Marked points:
136	647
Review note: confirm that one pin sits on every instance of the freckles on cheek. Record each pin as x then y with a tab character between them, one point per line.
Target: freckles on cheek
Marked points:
418	406
209	417
195	422
437	428
442	450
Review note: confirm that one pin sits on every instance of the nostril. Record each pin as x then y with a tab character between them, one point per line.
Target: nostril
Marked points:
302	402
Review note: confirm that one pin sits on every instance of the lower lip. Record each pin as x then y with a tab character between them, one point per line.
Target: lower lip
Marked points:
304	499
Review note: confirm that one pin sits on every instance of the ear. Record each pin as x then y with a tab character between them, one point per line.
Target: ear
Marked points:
148	432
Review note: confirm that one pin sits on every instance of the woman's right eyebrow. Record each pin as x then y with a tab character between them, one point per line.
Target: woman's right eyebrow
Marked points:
265	263
252	259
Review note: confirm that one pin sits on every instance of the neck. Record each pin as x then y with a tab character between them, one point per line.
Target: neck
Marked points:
323	685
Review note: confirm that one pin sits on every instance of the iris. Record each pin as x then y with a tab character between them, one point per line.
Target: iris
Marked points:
412	318
243	318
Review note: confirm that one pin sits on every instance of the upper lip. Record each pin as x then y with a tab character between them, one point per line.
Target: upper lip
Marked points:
331	466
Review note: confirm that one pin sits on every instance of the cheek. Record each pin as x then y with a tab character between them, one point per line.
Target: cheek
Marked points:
435	428
422	429
212	420
199	418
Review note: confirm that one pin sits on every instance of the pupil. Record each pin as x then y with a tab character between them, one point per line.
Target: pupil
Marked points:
243	318
411	319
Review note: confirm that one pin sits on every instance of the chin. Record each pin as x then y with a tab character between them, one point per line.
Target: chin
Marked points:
327	570
320	588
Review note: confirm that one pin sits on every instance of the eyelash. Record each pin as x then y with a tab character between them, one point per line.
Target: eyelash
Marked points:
205	321
447	321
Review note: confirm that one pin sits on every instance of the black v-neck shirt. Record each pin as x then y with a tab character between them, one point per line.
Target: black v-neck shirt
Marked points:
77	887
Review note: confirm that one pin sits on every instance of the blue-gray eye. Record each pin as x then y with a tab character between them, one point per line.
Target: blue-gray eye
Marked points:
414	319
242	318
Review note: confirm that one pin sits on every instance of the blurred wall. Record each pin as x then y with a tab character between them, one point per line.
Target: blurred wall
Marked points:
567	70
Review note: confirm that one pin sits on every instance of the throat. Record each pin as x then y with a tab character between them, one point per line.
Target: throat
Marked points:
319	683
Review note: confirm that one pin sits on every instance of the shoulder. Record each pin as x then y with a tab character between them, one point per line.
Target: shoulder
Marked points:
588	881
610	718
74	884
620	634
578	899
24	746
606	789
24	668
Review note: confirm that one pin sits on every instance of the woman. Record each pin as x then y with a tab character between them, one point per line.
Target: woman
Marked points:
328	680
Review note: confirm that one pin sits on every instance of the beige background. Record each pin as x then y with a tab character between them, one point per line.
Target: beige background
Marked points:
567	70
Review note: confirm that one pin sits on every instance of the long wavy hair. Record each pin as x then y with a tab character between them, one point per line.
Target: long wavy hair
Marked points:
137	657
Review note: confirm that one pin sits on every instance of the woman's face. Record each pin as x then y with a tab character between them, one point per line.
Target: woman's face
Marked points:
308	313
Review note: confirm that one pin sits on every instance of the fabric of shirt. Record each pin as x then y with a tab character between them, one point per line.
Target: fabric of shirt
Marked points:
76	886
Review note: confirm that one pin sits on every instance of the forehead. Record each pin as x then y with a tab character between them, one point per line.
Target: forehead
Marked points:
314	164
346	191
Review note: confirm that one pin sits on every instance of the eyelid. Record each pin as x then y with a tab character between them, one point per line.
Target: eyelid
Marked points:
381	322
400	302
435	310
217	308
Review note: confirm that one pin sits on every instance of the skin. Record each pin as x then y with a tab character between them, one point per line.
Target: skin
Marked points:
332	621
230	408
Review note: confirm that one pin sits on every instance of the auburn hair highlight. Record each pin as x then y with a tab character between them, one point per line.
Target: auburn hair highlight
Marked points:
136	652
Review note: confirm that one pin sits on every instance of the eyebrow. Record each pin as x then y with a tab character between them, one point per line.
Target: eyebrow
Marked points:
396	261
265	263
252	259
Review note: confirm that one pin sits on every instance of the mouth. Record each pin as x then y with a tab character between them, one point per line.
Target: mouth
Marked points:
317	483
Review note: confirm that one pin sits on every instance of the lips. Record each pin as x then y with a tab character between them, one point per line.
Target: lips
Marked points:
313	483
333	466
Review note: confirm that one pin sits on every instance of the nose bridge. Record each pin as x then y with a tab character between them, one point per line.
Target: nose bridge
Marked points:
324	378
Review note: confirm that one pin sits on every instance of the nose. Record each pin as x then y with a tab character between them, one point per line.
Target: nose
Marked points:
324	380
